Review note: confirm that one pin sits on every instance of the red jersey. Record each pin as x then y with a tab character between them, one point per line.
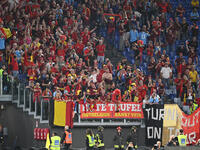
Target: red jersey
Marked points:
100	50
116	96
86	51
79	48
150	51
85	37
142	90
61	52
37	91
14	65
48	94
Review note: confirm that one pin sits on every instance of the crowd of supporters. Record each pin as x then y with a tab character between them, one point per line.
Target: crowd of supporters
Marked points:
58	49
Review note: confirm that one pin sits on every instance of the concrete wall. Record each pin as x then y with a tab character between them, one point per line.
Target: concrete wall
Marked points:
21	125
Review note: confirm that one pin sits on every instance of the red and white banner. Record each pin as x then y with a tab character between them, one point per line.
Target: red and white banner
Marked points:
191	126
175	119
110	110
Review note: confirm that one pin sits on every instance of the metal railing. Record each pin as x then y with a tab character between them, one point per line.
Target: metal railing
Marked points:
23	97
5	85
1	86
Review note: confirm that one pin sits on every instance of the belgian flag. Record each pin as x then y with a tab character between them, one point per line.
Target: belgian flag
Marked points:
63	113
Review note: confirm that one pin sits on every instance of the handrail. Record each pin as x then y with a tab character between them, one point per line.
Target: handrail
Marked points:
1	86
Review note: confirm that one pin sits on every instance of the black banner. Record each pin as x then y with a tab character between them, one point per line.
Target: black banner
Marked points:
153	115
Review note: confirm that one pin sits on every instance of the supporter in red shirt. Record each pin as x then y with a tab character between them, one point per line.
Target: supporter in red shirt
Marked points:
116	96
153	87
101	72
179	85
69	91
152	67
163	6
86	11
92	95
37	93
100	51
102	95
156	31
79	47
46	94
85	36
180	10
61	51
55	69
179	60
31	73
140	48
15	67
142	89
87	52
150	49
181	67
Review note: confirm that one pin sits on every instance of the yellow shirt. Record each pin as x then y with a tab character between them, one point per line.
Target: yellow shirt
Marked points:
136	98
37	44
73	76
193	76
195	3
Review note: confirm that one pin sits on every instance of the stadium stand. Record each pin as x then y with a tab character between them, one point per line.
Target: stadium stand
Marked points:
61	46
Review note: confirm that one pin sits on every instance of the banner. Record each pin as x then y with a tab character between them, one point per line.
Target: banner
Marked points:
110	110
153	115
191	126
175	119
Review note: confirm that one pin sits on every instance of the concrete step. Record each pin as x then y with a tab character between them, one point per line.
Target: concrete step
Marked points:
5	98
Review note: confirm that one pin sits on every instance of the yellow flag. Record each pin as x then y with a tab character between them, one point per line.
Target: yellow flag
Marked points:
171	122
7	32
47	142
59	113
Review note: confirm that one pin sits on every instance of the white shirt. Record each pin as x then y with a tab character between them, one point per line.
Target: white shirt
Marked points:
166	72
93	77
